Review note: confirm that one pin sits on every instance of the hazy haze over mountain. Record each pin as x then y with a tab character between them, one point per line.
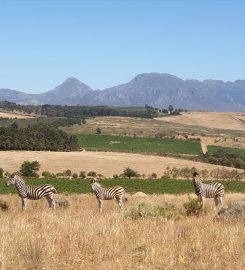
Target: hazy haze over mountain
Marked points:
155	89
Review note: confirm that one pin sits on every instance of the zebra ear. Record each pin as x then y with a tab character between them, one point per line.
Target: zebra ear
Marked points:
92	180
12	175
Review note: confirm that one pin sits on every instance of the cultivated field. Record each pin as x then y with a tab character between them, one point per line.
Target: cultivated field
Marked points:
212	128
152	186
106	163
79	237
221	120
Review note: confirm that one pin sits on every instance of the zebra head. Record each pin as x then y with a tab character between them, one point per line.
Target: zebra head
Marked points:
12	179
195	174
92	180
94	184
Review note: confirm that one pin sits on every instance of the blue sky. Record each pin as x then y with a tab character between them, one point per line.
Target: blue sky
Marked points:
106	43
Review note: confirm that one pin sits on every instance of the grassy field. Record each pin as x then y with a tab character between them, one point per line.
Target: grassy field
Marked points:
137	144
131	186
146	145
79	237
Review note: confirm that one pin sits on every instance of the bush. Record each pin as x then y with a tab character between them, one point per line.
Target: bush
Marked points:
67	173
61	201
92	173
193	207
235	211
130	173
30	168
153	175
74	175
115	176
1	172
150	210
47	174
82	174
98	131
222	173
4	206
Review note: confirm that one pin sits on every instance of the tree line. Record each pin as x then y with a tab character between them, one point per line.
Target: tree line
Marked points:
36	138
79	111
224	158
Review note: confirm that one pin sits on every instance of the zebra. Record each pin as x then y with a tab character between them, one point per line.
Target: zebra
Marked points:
110	193
213	190
32	192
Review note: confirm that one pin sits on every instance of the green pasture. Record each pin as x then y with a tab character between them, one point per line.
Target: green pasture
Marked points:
138	144
131	185
146	145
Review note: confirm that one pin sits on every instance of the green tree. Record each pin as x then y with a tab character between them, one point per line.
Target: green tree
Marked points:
67	173
82	174
98	131
154	175
130	173
92	173
30	168
1	172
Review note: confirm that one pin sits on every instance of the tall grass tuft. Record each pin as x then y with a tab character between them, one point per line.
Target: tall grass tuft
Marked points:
4	206
194	207
151	210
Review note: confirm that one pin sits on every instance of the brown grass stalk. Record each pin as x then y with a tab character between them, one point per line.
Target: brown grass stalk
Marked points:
79	237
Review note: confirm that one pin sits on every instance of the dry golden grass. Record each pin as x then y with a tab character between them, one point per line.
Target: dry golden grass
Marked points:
17	115
106	163
80	238
222	120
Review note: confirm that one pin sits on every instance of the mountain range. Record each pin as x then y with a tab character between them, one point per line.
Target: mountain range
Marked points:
155	89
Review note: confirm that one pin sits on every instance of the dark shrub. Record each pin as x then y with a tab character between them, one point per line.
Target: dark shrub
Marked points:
29	168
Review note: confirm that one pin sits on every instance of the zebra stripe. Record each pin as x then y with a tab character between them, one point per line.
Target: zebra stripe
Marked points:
32	192
213	190
102	193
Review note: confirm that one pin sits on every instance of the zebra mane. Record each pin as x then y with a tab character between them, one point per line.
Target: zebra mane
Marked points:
196	177
19	177
97	184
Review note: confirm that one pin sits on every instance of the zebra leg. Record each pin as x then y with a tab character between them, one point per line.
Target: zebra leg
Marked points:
120	202
221	202
100	204
216	201
23	203
51	201
202	201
